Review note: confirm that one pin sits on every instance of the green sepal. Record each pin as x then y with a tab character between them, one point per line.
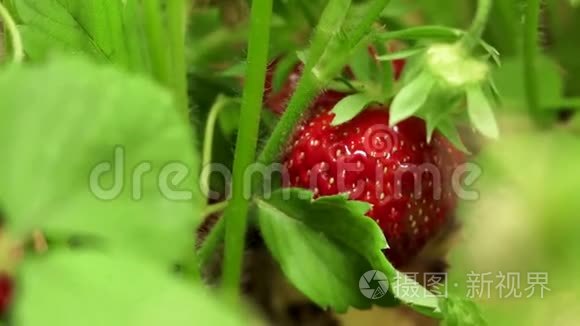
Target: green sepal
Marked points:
349	107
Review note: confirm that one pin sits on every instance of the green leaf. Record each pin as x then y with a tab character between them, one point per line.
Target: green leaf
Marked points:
321	244
401	54
106	30
414	295
441	104
102	21
362	64
423	32
493	52
49	26
449	130
459	311
349	107
410	99
481	113
88	288
339	242
229	118
76	152
364	234
326	272
236	70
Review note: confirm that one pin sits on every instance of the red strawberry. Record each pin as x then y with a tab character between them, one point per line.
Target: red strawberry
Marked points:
380	165
5	293
398	66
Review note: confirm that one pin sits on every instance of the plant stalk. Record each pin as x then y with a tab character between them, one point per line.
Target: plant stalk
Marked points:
530	52
471	39
177	25
236	214
214	112
310	85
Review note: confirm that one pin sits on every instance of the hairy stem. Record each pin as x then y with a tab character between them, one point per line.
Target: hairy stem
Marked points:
236	214
15	38
305	91
310	85
364	27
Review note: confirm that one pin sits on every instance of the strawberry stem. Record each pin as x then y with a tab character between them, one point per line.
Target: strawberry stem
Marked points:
471	39
305	91
363	27
16	40
236	214
310	84
214	112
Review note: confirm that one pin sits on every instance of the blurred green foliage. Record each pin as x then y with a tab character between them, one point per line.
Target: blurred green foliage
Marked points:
526	219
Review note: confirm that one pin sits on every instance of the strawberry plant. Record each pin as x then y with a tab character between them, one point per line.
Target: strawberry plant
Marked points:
288	162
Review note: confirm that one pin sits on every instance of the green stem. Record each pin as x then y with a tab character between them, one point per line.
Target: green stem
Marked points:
214	208
177	25
16	40
214	112
504	27
305	91
530	51
310	85
471	39
236	214
363	27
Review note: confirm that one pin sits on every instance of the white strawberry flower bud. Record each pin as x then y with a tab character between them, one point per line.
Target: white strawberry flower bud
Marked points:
454	67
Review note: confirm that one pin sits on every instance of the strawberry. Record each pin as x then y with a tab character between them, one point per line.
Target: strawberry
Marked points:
406	179
398	66
5	293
